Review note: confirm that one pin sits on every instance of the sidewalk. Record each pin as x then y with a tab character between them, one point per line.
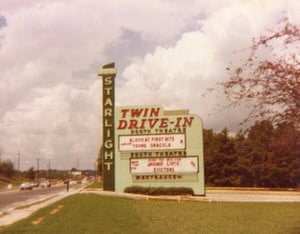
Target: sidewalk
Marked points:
15	214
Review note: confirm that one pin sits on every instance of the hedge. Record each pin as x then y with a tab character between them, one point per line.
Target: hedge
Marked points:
159	190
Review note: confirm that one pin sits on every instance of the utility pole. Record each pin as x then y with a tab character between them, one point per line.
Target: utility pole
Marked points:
49	171
77	164
18	161
38	169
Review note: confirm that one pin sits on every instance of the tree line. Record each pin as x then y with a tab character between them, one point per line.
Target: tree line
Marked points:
261	156
7	168
8	171
268	153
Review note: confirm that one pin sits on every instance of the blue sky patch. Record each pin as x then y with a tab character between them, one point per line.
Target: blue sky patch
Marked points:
3	22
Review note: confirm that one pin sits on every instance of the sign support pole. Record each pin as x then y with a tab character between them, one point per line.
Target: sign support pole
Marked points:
108	74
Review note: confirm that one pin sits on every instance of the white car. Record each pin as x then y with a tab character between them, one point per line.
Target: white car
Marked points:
26	185
45	184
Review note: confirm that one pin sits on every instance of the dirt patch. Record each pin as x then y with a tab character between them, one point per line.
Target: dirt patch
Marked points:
38	220
55	210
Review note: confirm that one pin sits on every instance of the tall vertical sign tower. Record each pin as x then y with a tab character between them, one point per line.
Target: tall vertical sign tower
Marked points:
108	74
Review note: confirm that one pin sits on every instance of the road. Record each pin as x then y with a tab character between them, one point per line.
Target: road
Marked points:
9	198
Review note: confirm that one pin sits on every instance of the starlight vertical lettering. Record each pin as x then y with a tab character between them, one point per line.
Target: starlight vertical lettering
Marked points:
108	74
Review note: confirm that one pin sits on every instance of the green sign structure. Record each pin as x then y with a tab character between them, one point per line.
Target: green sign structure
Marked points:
149	146
158	148
108	73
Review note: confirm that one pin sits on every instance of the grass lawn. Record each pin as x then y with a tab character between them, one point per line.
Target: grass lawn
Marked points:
88	213
95	185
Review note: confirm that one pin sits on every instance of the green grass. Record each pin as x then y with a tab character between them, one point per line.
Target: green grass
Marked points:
5	181
95	185
88	213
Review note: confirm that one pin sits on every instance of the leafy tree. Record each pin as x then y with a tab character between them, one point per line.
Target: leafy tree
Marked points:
272	83
100	161
258	157
286	148
244	166
7	168
260	153
269	80
210	153
29	174
219	158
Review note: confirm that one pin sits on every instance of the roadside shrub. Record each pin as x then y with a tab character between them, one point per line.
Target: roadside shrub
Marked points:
155	191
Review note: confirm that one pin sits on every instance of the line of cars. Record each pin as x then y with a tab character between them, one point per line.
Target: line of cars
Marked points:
31	185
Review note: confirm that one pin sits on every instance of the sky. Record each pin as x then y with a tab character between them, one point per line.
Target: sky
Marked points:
166	52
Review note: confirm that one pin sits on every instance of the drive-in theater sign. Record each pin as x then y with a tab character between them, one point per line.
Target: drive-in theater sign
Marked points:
149	146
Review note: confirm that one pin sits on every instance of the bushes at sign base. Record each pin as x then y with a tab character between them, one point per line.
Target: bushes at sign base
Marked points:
159	190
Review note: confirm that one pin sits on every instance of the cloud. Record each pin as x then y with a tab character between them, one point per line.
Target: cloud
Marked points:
177	76
166	52
59	122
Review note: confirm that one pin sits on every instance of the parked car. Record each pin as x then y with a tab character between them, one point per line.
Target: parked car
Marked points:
26	186
45	184
33	184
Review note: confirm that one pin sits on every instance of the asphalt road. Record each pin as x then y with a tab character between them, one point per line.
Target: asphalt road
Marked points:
10	198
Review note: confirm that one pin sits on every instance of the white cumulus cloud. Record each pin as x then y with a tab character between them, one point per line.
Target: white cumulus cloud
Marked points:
166	52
